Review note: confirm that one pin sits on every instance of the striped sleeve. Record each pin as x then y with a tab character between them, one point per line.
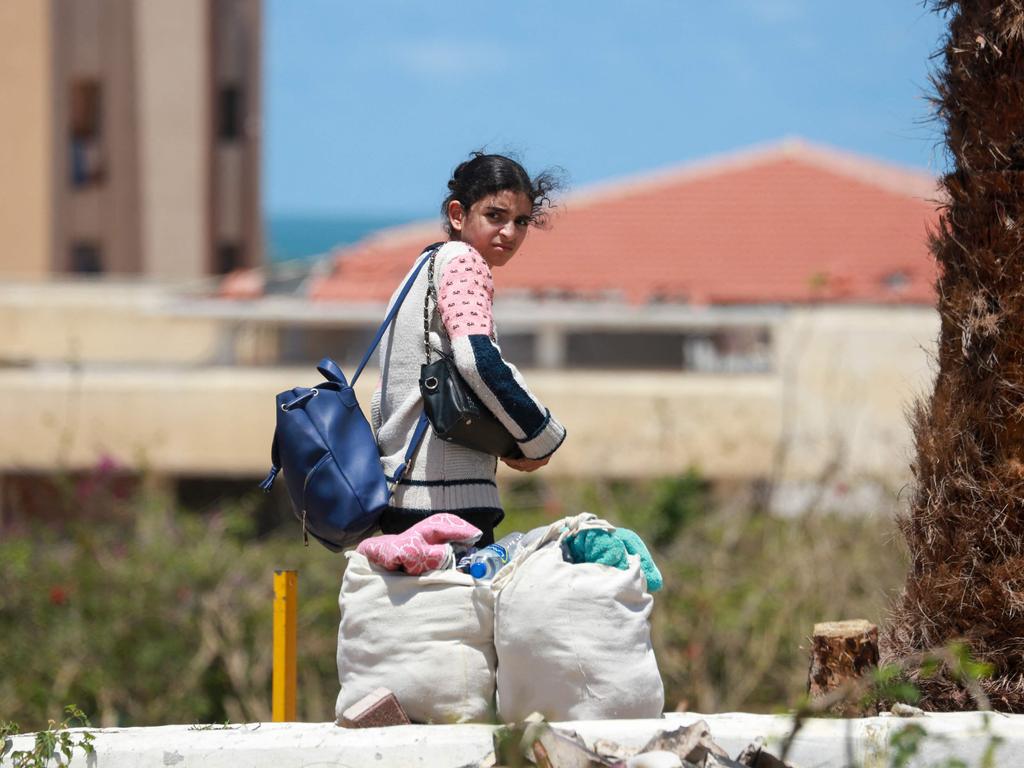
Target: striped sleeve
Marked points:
465	295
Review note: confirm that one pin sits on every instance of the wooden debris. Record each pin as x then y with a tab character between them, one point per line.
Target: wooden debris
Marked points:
692	743
715	761
543	760
554	748
756	756
536	742
614	750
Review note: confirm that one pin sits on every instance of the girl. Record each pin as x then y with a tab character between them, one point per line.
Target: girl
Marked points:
491	204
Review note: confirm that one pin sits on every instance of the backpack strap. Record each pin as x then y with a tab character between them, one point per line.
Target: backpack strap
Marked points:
430	251
417	438
330	371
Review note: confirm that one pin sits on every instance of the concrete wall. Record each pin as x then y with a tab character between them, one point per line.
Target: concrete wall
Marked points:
128	373
220	420
846	377
26	184
174	129
89	325
819	743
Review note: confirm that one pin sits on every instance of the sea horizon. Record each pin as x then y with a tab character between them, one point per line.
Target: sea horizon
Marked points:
305	235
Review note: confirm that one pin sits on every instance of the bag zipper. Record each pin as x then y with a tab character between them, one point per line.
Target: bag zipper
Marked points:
305	483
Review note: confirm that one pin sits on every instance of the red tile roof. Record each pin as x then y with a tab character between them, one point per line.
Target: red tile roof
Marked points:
788	223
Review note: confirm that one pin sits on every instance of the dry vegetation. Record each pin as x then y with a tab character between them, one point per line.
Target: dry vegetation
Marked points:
160	615
965	526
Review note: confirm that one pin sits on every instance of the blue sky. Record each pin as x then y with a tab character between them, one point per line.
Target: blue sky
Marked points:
369	105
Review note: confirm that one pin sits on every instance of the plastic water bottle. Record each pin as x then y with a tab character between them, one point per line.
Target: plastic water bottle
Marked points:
465	557
486	562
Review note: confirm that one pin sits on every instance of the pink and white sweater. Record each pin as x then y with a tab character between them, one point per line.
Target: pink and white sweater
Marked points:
445	477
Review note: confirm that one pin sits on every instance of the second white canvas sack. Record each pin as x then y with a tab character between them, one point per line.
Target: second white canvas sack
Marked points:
429	639
573	640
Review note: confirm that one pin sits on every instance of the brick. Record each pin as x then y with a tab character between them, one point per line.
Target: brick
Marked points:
378	709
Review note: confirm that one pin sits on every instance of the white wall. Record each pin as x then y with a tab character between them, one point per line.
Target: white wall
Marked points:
125	375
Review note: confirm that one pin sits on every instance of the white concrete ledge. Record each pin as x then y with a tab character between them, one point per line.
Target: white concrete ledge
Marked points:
820	742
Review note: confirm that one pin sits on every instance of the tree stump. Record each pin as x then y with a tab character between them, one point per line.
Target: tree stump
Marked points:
841	651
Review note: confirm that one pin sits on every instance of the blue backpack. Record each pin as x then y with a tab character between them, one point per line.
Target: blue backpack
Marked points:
329	454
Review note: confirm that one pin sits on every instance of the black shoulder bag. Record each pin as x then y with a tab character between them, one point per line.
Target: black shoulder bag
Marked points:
453	409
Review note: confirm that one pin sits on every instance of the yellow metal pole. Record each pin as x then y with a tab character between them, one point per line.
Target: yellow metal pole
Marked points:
286	603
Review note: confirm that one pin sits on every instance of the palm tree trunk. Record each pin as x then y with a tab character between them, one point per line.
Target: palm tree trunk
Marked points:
965	526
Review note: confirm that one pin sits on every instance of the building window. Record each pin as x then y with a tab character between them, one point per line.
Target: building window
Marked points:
520	349
729	350
897	281
85	149
229	113
651	350
722	350
86	258
229	257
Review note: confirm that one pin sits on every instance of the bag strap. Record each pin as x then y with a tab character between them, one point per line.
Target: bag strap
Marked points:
417	438
330	371
432	294
428	254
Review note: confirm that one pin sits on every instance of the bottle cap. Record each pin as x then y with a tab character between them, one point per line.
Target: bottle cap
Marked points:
478	570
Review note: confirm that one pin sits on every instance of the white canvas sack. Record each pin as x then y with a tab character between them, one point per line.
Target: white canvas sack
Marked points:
429	639
574	639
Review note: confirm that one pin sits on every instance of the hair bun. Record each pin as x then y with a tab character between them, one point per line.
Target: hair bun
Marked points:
459	172
484	174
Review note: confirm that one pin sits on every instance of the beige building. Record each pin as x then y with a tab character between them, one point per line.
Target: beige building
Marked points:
774	337
132	137
184	388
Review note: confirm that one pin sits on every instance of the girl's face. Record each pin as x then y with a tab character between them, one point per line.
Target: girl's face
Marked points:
495	225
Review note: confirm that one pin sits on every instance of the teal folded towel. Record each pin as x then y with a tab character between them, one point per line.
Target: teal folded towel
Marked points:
612	548
635	546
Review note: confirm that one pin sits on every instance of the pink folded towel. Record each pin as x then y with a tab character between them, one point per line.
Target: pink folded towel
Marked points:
423	547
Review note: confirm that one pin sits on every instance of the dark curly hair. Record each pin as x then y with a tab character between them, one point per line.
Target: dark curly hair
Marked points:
484	175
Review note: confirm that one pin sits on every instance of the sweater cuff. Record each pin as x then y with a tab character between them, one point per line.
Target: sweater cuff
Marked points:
545	441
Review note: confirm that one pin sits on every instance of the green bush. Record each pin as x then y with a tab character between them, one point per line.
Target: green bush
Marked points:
163	618
151	614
